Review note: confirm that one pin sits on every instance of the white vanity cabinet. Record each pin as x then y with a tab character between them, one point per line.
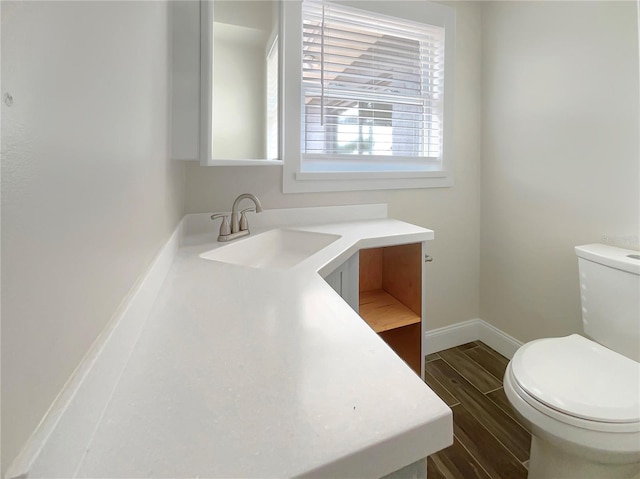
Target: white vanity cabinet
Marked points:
385	286
327	385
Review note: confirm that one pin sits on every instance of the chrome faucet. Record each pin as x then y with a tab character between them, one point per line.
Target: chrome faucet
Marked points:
239	224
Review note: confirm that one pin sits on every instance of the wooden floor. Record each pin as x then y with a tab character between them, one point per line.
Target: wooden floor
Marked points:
488	440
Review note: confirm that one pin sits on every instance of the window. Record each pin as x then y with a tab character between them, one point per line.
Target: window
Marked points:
375	97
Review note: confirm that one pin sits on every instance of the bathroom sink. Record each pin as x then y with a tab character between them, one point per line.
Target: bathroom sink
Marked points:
277	249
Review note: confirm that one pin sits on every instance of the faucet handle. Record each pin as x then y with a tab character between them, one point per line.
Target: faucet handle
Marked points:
244	223
225	227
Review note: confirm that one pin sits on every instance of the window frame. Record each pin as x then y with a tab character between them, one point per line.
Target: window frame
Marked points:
374	173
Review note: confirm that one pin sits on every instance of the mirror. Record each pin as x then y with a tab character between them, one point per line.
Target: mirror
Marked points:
244	98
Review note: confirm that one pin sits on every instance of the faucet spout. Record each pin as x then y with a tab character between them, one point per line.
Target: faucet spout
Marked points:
235	221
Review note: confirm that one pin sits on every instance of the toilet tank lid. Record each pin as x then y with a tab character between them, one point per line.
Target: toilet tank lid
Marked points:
619	258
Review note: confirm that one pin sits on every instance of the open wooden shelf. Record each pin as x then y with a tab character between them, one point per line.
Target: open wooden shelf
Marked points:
390	292
383	312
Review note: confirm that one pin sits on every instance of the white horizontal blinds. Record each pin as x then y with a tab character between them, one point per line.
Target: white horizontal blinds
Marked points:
372	84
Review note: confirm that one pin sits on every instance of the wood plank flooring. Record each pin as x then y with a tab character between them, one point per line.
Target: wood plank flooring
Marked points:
489	443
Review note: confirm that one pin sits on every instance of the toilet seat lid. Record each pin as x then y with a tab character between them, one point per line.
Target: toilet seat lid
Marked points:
580	378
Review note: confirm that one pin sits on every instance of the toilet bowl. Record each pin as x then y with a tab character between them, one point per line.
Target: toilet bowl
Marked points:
580	397
581	402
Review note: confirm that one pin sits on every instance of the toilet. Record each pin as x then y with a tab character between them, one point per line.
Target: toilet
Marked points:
580	397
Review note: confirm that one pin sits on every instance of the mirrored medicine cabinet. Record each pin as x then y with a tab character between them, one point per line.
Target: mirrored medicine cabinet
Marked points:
225	61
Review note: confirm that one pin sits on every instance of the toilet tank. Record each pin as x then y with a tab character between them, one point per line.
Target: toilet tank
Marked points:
610	297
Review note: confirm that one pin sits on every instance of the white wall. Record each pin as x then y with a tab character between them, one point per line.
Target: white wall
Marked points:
452	212
560	158
88	193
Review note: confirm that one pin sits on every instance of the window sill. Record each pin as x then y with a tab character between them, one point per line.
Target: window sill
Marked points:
244	163
316	182
367	175
357	175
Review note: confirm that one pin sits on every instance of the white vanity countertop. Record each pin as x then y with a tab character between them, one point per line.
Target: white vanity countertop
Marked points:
242	372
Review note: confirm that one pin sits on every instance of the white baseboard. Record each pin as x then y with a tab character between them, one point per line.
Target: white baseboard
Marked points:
498	340
472	330
60	440
450	336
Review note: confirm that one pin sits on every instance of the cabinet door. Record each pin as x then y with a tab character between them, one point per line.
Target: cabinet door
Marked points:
335	280
344	280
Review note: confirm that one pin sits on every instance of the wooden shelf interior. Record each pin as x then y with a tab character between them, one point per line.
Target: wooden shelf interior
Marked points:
391	297
384	312
407	343
396	271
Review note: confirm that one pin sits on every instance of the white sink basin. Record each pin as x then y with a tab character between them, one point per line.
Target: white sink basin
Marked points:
278	249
